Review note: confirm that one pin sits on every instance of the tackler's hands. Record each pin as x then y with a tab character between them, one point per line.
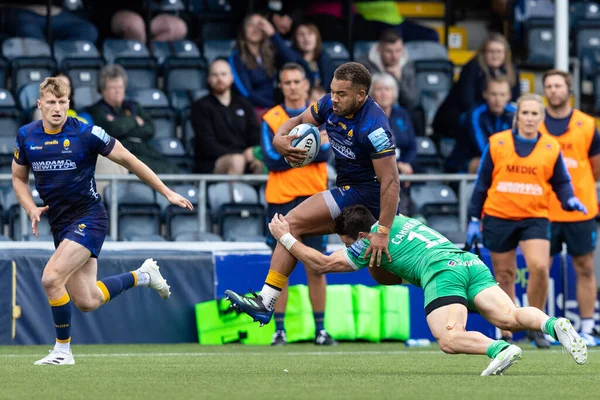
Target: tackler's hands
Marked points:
178	200
379	246
35	214
279	226
283	145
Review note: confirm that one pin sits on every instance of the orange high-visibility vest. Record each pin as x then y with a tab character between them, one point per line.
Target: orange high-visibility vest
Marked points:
285	186
520	187
575	145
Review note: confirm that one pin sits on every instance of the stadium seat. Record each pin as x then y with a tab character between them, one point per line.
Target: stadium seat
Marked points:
217	48
198	237
30	60
540	42
14	225
28	96
434	199
3	72
80	60
419	50
138	211
173	150
337	52
446	146
583	11
156	103
434	80
181	101
84	96
587	36
7	145
361	48
141	67
216	29
73	5
236	208
170	6
144	238
448	225
10	118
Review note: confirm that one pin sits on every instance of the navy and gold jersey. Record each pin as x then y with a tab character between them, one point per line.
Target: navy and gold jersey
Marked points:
356	140
63	164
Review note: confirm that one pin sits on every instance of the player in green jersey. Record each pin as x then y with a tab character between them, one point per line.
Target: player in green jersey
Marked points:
453	281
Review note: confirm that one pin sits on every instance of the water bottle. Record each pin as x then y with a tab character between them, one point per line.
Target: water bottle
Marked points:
418	343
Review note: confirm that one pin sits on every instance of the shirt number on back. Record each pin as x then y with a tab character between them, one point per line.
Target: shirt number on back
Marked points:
429	236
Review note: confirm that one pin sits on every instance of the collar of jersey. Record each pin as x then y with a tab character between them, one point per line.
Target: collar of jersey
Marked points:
52	132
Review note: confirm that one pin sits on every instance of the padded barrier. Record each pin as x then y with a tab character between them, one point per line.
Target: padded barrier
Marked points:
352	312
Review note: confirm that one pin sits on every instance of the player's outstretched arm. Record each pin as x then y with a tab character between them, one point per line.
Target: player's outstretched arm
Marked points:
282	141
317	261
20	181
122	156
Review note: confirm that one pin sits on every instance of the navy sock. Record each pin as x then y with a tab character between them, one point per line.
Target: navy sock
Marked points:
61	313
279	316
114	285
319	321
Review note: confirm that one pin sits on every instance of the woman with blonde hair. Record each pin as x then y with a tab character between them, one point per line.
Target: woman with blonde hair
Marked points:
519	169
494	58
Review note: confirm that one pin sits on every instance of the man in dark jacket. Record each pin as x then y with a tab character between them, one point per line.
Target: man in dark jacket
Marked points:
126	120
493	116
225	126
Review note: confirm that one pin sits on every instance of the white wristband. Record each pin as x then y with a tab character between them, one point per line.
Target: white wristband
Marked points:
287	240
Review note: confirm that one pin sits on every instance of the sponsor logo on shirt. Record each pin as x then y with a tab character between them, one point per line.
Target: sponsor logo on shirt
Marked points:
532	189
379	139
55	165
100	134
467	263
51	142
32	147
342	150
343	125
570	162
356	249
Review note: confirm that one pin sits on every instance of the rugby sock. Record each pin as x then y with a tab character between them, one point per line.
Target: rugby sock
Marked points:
496	348
272	288
319	321
61	313
279	316
548	327
114	285
588	325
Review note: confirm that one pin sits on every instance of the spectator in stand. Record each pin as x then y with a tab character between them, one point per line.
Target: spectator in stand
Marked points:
388	55
27	18
225	126
317	64
126	120
494	115
315	93
385	93
254	61
492	59
126	20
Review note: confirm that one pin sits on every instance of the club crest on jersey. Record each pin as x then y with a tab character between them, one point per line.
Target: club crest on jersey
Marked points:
66	144
81	227
451	263
351	133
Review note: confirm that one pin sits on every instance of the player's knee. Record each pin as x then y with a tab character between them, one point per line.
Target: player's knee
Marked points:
584	267
539	267
86	304
52	280
446	344
505	275
237	164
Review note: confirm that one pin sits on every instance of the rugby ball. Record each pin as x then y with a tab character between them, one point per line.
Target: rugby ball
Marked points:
309	139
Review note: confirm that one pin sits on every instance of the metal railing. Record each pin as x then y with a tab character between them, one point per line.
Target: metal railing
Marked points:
202	183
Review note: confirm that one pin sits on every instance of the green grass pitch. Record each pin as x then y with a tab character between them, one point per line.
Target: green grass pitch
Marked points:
348	371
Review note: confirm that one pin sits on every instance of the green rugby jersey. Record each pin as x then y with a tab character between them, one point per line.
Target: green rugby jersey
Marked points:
418	252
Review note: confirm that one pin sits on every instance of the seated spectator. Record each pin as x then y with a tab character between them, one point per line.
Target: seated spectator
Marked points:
30	21
126	120
492	59
315	93
494	115
126	20
258	51
83	117
317	64
385	93
388	55
225	126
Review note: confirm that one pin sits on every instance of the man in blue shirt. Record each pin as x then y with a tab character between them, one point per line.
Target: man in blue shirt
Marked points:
493	116
62	152
361	139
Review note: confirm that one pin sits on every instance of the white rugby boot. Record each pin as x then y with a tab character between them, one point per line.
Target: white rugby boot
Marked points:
157	282
507	357
571	341
57	357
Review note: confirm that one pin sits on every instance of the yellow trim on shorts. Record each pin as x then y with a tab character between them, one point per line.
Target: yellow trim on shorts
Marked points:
104	291
60	302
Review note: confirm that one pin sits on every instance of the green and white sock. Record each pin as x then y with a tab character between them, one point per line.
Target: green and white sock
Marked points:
496	348
548	327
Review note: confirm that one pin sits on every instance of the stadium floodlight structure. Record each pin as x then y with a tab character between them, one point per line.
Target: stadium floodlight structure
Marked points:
561	35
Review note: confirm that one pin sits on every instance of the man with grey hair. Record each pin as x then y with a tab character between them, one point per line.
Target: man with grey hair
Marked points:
126	120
